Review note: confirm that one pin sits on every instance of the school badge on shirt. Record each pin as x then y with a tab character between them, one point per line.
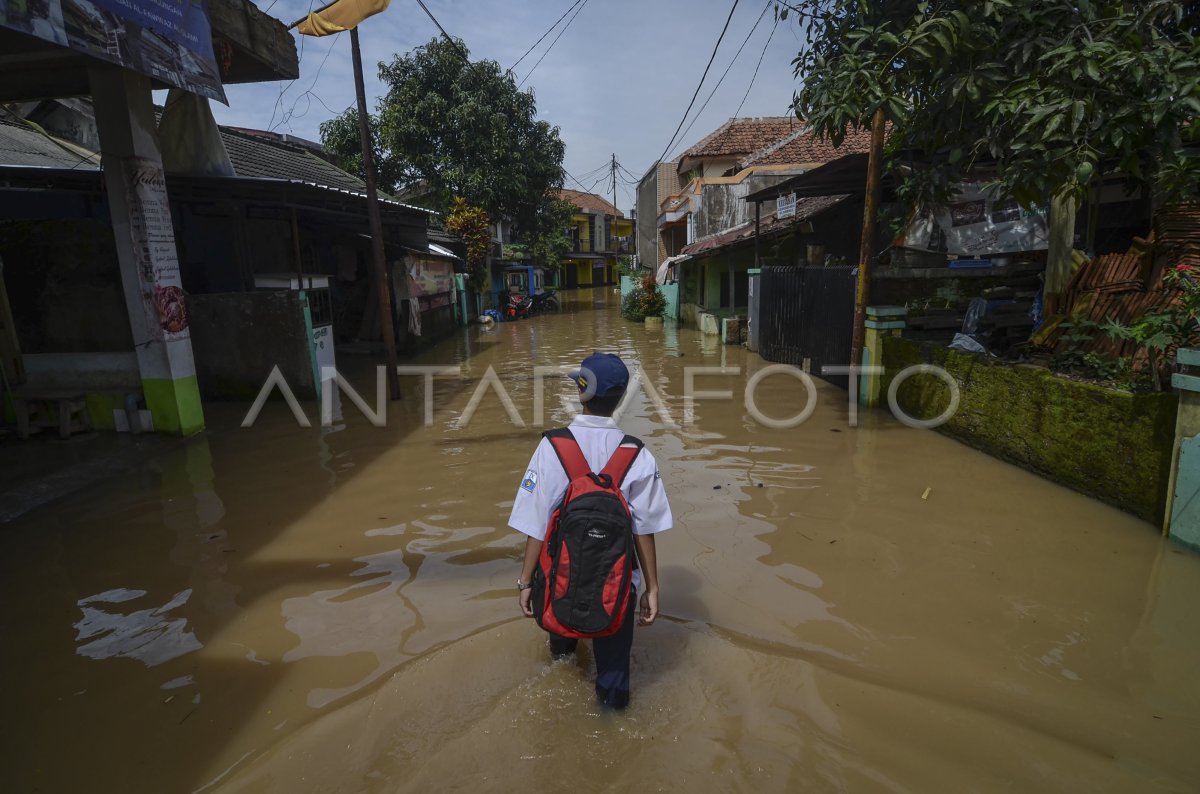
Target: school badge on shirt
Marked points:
530	481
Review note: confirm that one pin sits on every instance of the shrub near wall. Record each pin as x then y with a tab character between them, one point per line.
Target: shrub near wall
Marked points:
1111	445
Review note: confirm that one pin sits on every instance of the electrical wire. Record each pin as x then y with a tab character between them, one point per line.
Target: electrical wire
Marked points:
544	35
284	89
287	117
556	38
754	77
700	85
725	74
453	41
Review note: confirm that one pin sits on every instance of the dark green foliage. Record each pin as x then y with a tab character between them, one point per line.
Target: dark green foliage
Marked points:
467	131
339	136
1055	93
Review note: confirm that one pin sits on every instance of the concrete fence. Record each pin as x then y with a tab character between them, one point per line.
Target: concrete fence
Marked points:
1111	445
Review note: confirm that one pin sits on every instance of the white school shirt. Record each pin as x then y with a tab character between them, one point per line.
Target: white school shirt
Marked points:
545	482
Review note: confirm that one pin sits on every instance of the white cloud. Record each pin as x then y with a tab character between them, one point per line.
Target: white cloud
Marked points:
617	81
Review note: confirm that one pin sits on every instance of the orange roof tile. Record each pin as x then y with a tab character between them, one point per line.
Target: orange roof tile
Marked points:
743	136
802	146
589	201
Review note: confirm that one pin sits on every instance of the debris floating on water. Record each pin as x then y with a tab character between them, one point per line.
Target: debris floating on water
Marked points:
925	495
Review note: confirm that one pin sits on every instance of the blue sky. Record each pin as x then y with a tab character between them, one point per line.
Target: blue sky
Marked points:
617	81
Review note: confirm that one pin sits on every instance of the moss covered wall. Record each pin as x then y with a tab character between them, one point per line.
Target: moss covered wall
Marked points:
1114	446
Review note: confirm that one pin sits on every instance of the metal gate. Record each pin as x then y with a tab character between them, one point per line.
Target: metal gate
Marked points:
808	316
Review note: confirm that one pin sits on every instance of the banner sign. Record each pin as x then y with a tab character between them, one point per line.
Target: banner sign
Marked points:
168	40
977	224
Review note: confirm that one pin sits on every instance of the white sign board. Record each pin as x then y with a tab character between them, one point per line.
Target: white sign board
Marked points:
785	206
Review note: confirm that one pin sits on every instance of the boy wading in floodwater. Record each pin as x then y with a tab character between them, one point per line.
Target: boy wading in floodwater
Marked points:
591	502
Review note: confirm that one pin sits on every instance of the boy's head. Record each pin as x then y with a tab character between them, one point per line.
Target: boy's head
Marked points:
602	379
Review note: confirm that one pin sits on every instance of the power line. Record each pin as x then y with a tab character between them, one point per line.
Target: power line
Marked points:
453	41
756	68
285	88
556	38
724	74
699	85
544	35
287	117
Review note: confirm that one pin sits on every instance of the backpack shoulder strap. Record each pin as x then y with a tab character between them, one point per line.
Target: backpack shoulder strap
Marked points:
568	451
622	459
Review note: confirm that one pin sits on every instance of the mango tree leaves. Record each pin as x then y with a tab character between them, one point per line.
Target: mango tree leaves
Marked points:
1050	94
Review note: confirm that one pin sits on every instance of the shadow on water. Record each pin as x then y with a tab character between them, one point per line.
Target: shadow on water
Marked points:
144	611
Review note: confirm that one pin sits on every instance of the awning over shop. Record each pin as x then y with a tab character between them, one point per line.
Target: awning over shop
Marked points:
844	176
667	264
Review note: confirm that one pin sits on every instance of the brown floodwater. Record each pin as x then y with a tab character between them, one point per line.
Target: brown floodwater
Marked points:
284	609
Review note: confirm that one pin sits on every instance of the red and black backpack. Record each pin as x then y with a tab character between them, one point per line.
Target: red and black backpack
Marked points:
584	575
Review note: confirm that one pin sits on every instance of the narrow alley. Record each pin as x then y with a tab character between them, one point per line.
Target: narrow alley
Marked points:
280	608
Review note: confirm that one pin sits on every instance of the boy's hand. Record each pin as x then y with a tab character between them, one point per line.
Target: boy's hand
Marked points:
649	608
525	599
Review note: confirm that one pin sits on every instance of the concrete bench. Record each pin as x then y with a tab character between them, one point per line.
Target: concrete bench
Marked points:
56	386
65	410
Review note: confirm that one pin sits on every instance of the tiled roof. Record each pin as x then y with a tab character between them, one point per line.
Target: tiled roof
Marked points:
589	201
744	136
22	144
255	156
805	208
802	146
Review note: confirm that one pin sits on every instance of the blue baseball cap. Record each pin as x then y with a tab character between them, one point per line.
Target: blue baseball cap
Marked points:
601	375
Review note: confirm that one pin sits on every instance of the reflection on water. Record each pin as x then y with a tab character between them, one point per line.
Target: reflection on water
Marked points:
150	635
333	610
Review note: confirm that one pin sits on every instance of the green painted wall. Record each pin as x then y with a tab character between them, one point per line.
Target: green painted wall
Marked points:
1112	445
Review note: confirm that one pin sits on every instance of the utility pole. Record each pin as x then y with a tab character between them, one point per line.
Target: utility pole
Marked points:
381	279
614	179
354	14
862	293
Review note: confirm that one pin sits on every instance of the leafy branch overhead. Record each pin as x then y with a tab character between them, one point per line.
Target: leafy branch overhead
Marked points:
1046	94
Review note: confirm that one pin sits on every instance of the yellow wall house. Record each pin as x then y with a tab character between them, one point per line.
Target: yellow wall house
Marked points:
600	235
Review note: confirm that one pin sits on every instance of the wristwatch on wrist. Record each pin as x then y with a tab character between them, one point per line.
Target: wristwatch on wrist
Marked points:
523	585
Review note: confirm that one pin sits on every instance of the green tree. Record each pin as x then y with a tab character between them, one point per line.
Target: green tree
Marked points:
339	136
548	239
468	131
1050	94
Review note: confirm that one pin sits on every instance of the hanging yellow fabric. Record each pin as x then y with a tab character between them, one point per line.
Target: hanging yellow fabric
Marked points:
342	15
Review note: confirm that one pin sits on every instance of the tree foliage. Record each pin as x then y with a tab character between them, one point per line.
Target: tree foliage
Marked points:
471	224
339	136
548	238
467	130
1048	94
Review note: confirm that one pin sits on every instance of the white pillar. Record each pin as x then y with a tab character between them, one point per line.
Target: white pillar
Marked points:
145	241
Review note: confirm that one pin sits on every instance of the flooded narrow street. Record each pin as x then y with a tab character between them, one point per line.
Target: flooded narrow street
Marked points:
289	609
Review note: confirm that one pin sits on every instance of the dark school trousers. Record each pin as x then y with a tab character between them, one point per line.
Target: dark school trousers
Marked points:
612	659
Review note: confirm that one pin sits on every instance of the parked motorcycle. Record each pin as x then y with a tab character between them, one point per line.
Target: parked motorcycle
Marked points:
517	306
544	302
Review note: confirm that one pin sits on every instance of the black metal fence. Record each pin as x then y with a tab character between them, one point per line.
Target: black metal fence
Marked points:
808	317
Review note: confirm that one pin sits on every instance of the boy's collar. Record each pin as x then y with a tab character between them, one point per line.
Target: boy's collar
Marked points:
588	420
